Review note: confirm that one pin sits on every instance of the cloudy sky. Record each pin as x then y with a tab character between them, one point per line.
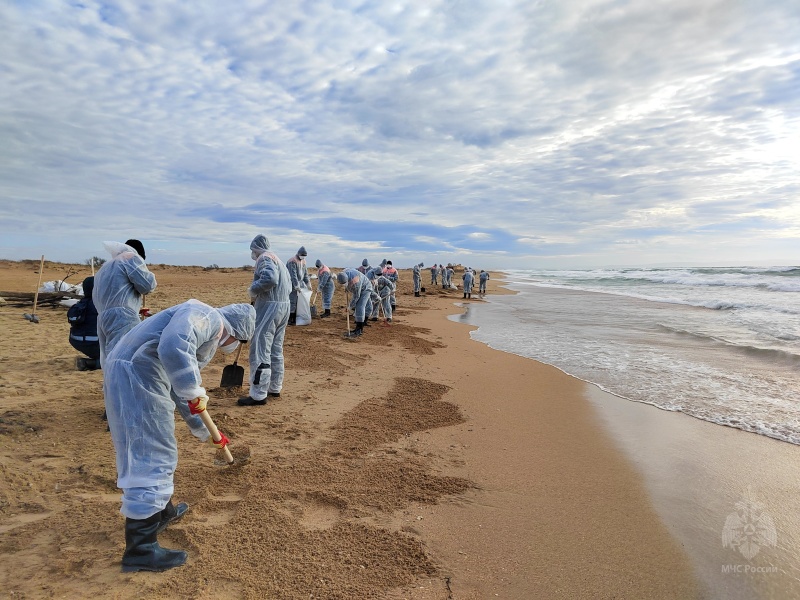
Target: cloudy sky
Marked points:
496	133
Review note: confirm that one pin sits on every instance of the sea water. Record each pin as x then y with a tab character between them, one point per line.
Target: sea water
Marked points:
719	344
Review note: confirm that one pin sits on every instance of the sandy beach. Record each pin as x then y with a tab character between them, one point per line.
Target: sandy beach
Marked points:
410	463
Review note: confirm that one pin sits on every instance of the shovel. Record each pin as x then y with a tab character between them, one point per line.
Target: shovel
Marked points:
233	375
32	317
212	429
314	306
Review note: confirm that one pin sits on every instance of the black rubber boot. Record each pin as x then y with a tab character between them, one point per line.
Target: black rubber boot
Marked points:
292	319
142	552
327	313
416	294
358	331
170	514
250	401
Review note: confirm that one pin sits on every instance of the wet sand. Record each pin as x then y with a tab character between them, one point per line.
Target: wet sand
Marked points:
700	475
411	463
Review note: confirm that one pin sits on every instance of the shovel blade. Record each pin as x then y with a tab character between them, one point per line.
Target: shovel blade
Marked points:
313	311
232	376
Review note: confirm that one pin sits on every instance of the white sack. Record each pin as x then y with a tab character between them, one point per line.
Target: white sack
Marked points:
303	307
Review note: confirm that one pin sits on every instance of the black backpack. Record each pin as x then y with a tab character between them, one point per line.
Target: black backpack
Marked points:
76	314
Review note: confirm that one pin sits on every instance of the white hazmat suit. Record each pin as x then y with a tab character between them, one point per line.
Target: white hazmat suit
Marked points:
118	289
269	291
153	369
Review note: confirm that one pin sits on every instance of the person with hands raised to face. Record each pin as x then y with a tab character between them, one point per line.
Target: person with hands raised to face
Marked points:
119	288
152	370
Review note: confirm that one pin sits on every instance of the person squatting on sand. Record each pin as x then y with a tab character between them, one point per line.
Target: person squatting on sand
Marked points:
151	370
416	274
383	291
359	286
82	317
469	279
119	286
269	292
325	287
483	278
299	274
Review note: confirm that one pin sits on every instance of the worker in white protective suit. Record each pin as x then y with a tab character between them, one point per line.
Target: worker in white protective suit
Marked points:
270	294
119	287
469	280
151	370
326	286
416	272
383	289
360	288
298	272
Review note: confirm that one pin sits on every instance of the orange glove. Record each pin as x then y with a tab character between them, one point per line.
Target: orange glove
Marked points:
198	405
223	441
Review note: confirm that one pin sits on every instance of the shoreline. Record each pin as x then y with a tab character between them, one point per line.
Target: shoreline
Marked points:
697	473
560	510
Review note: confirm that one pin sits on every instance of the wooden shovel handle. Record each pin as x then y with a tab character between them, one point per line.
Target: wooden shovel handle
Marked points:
212	429
38	285
238	352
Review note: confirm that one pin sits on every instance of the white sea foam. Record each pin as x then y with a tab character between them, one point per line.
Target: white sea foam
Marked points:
653	340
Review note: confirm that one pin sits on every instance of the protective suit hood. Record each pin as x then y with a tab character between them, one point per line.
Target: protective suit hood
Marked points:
260	244
239	320
88	286
117	248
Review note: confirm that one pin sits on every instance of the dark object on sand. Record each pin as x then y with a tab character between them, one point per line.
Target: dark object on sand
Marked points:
233	375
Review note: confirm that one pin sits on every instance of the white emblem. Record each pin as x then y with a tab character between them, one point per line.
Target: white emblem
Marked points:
749	529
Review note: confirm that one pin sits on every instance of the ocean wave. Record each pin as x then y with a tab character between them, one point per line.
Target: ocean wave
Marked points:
774	355
773	279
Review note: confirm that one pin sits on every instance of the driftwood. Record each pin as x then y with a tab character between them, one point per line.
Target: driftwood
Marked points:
24	299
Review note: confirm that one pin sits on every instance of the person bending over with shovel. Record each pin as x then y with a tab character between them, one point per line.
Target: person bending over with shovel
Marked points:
383	288
152	369
360	287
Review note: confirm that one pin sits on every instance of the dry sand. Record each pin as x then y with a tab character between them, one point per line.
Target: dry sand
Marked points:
410	463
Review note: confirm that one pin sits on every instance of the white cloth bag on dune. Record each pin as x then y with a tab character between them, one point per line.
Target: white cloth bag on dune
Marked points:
303	307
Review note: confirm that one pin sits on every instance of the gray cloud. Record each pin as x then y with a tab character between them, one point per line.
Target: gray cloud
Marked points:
582	127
